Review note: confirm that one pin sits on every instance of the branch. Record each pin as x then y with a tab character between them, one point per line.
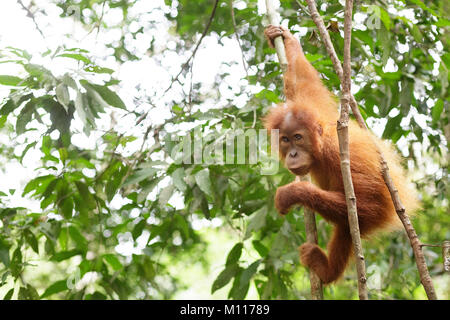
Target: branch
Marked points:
400	209
333	56
211	17
342	131
425	277
244	63
311	237
31	15
278	41
233	19
310	221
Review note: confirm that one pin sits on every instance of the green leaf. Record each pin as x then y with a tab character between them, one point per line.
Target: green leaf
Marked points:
137	230
63	238
443	23
406	96
9	294
76	56
424	7
64	255
97	69
32	292
140	175
56	287
63	155
16	265
66	206
165	195
86	195
224	277
3	121
80	108
31	240
257	221
417	35
78	238
111	189
204	182
110	97
392	125
178	179
28	147
385	41
260	248
94	102
62	94
14	103
235	254
4	252
25	116
436	111
245	277
147	188
28	293
8	107
9	80
384	16
238	291
68	81
113	261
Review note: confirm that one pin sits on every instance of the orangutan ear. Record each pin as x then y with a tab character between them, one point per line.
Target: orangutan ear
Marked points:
319	129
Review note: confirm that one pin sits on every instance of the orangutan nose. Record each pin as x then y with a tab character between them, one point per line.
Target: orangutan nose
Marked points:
293	154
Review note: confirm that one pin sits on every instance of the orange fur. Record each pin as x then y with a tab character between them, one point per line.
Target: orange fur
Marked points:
313	107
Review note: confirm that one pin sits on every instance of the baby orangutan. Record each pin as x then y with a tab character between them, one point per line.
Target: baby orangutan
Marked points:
309	144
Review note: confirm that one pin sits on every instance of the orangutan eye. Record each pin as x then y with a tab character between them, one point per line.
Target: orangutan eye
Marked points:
298	136
284	139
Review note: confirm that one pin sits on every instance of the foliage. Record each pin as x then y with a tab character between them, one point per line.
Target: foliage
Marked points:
93	201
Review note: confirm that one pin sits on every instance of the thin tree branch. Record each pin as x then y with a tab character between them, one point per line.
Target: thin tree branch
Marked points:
311	237
400	209
233	19
342	131
205	31
244	63
425	277
31	15
333	56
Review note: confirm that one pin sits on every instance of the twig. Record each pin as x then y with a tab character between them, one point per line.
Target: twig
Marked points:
436	245
244	63
400	209
211	17
311	237
310	221
342	131
191	86
333	56
425	277
31	15
101	18
233	19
